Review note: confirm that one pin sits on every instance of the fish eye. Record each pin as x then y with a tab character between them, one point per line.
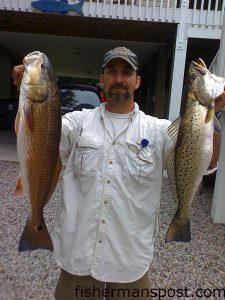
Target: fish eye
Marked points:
194	76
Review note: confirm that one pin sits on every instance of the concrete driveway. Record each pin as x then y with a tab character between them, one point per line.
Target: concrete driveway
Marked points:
8	146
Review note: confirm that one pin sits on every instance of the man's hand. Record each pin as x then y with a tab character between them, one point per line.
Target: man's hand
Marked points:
219	102
17	75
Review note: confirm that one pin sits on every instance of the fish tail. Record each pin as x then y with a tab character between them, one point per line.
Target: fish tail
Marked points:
78	7
179	231
35	237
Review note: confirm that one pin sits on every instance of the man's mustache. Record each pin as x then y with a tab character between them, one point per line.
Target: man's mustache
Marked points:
118	86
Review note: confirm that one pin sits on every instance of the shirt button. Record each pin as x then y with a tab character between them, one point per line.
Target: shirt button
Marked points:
100	241
110	162
114	143
105	202
108	181
103	221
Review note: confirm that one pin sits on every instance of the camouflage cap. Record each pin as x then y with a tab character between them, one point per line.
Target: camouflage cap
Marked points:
124	53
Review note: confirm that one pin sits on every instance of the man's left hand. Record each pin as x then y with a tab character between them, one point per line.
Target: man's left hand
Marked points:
219	102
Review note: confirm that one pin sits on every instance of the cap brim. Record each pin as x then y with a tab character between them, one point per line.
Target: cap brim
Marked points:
124	58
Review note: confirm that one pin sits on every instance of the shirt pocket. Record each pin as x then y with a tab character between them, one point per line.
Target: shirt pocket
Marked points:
140	164
87	155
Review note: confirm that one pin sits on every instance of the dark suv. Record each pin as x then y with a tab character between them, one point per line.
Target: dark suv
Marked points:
76	96
8	111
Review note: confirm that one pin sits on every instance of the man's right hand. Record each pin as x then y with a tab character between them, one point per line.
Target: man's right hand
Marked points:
17	75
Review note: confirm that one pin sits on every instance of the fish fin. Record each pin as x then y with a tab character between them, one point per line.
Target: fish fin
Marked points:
217	126
17	121
78	7
174	128
28	117
170	166
178	231
19	190
209	115
55	177
35	237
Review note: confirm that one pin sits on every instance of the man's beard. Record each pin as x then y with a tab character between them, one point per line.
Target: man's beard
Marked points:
118	96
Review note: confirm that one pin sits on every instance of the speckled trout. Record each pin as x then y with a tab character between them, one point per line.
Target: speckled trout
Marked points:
194	144
38	128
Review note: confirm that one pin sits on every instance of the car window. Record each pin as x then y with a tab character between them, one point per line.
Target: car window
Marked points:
72	98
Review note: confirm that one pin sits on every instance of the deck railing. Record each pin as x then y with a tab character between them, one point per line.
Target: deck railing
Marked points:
197	12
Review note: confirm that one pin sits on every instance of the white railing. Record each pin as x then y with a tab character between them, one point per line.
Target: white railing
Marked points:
146	10
204	14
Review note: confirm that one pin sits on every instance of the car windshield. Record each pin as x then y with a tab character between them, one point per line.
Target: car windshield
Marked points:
73	98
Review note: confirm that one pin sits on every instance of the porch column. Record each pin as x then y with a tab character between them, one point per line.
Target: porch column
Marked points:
178	65
218	204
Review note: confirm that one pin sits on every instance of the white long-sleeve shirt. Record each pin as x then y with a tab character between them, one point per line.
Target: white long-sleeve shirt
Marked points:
107	221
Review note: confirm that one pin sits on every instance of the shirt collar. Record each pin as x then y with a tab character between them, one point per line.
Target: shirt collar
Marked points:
135	110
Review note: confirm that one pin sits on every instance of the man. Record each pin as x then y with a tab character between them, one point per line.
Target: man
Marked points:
106	225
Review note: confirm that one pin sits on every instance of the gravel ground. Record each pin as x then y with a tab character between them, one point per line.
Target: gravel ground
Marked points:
199	264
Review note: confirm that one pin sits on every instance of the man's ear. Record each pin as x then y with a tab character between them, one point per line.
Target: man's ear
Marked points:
138	82
101	79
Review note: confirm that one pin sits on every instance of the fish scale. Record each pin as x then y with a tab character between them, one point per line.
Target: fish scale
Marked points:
188	164
38	137
194	145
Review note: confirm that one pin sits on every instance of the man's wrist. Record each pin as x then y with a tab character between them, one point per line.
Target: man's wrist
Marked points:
219	103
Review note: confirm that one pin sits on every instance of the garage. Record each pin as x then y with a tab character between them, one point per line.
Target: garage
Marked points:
76	45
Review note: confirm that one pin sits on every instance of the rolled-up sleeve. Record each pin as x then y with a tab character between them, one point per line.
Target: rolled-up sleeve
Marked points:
71	127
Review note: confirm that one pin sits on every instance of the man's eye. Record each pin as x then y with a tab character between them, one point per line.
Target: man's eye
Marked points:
128	72
111	71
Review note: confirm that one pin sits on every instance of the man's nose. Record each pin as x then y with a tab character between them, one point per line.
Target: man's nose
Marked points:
119	77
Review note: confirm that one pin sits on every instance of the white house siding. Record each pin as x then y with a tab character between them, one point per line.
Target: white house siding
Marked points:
150	10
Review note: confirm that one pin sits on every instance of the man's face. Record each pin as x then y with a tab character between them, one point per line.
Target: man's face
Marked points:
119	80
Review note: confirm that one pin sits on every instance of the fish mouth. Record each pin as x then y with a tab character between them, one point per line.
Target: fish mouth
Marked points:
32	84
200	66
